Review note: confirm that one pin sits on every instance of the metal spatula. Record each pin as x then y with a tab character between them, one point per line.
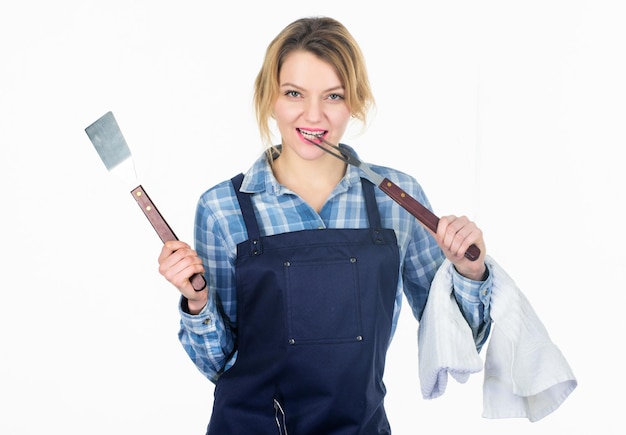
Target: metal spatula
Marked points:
107	138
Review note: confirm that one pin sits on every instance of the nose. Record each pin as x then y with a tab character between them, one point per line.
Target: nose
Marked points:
313	111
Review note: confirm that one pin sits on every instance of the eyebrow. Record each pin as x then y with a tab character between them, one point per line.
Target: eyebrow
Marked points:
293	85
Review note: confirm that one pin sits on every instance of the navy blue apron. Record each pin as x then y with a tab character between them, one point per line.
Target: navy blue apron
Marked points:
314	316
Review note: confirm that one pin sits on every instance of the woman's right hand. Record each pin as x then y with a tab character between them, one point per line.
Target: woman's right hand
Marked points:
177	263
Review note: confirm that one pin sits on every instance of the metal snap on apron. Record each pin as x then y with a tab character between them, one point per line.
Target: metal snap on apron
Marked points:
314	316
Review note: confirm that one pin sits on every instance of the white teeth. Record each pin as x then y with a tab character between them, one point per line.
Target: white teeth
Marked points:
310	133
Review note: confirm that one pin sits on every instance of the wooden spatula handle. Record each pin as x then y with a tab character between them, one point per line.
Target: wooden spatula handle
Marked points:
162	228
425	216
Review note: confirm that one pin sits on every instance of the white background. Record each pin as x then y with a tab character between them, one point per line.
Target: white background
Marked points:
511	112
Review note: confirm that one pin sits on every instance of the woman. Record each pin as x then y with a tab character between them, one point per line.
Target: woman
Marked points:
306	261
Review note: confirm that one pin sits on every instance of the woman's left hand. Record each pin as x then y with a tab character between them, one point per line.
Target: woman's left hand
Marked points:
454	236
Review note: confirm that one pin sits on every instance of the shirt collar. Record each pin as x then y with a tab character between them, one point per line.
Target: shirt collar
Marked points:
260	178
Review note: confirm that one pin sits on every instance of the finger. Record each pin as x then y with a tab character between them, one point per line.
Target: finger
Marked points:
462	237
174	263
447	231
442	227
179	259
183	272
462	241
180	272
170	247
457	234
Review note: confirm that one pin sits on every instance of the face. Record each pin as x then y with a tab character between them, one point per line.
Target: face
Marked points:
310	104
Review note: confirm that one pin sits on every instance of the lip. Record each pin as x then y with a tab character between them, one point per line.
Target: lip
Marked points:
312	130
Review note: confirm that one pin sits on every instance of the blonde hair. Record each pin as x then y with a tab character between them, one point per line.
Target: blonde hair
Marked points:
330	41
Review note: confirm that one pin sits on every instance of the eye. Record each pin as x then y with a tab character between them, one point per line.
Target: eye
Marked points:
291	93
335	97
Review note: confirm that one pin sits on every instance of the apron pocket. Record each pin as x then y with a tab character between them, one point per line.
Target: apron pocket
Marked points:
323	303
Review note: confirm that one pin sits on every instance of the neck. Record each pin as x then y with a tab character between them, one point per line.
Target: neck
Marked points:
312	180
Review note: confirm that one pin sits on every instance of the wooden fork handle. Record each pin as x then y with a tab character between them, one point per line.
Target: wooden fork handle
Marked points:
425	216
162	228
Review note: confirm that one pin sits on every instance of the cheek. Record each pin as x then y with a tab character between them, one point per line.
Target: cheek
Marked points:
283	113
340	118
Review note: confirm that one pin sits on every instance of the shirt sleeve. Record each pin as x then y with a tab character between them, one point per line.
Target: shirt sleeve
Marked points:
473	298
205	339
208	337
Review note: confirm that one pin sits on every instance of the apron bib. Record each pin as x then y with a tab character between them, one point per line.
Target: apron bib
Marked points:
314	316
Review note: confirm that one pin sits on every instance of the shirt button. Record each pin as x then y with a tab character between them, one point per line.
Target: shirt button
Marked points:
206	321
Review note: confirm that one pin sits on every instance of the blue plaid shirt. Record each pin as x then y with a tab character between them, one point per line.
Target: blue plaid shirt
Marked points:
208	336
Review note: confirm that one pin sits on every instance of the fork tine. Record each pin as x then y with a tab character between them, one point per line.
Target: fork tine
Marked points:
330	144
339	154
346	155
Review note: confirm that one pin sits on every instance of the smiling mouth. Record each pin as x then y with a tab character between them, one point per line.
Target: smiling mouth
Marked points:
313	135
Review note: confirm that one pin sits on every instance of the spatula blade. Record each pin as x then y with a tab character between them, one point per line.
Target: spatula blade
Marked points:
107	138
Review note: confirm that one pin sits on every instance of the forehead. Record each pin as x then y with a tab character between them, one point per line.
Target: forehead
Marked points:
302	68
